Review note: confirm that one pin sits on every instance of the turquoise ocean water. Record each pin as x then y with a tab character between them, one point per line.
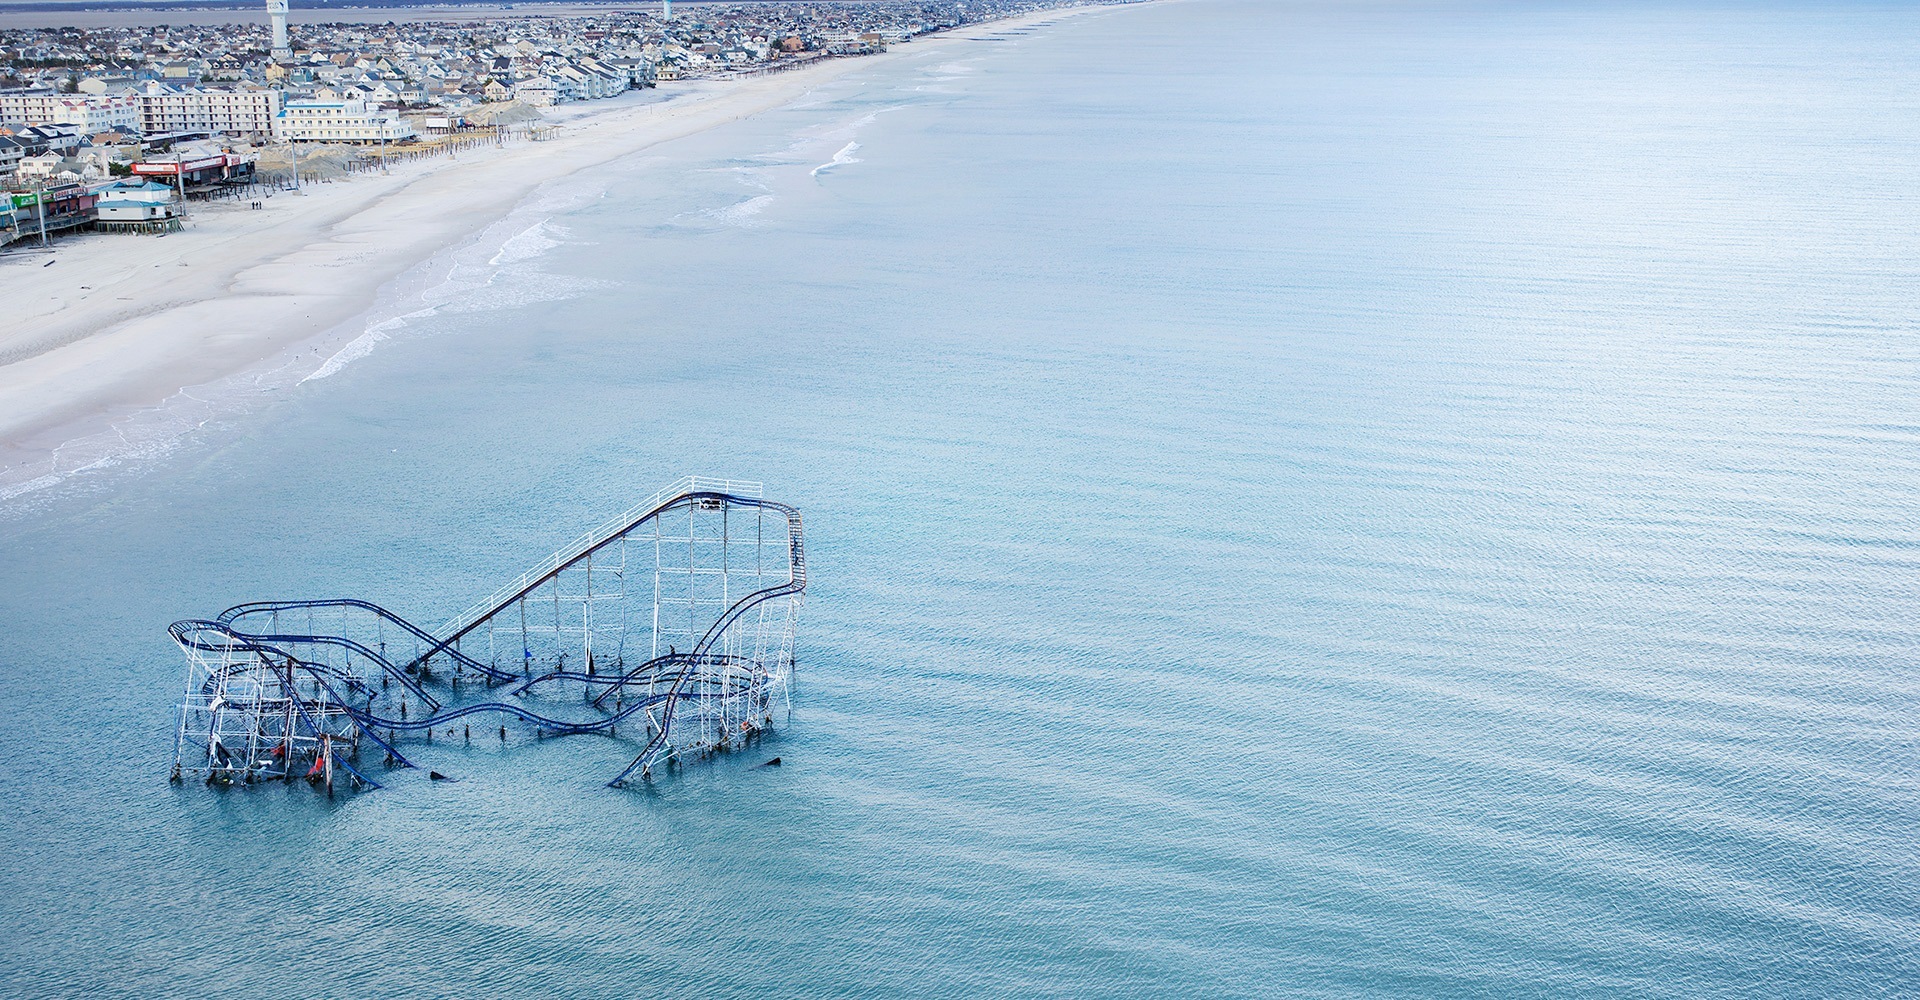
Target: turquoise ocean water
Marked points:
1365	500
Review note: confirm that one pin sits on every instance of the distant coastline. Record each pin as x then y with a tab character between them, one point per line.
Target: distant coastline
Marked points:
95	14
139	323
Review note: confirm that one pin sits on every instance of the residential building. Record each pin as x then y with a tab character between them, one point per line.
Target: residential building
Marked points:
91	112
341	121
38	167
59	139
240	111
11	152
539	92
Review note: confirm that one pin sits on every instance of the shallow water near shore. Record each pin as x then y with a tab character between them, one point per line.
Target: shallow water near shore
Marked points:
1381	501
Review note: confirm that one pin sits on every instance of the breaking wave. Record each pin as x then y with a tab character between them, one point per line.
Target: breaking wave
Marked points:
840	159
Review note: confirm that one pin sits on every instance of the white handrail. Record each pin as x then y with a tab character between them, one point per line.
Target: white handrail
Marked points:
580	546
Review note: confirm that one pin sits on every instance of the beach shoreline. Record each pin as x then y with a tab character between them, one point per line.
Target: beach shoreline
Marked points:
109	327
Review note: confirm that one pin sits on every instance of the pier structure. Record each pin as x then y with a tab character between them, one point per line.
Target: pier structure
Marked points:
673	624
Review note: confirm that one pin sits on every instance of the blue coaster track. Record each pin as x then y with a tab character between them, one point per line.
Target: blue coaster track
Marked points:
303	681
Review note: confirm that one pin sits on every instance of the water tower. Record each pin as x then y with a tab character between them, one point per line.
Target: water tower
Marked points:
277	11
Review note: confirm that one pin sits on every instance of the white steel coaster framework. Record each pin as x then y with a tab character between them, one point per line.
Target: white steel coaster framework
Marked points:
678	616
252	713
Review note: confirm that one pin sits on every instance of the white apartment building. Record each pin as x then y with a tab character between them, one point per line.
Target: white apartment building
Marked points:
341	121
93	113
242	111
539	92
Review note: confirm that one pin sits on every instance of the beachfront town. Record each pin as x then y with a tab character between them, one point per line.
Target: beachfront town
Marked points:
119	129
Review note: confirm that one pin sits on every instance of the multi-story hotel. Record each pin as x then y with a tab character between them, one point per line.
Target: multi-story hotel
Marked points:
93	113
341	121
240	111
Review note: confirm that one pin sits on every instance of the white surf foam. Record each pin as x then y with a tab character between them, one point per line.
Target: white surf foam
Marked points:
525	245
499	268
361	346
840	159
508	278
742	213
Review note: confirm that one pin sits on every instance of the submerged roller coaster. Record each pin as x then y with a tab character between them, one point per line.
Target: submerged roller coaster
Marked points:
674	621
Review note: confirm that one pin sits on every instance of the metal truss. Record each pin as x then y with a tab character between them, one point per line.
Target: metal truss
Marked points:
675	619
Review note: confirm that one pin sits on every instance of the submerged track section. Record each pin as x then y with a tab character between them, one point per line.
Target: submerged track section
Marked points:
674	621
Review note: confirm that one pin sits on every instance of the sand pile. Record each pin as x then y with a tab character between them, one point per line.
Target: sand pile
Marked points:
507	113
321	162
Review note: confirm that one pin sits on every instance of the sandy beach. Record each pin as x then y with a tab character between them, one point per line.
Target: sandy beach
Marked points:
108	326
